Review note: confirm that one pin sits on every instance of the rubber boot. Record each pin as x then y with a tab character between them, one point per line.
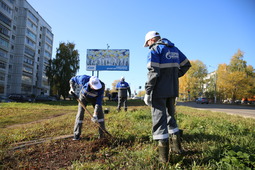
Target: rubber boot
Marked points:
118	109
163	149
175	143
101	132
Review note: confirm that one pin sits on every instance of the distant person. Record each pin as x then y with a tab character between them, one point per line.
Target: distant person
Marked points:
92	92
123	88
166	63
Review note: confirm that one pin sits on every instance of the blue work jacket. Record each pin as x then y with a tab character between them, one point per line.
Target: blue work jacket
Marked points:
165	63
83	80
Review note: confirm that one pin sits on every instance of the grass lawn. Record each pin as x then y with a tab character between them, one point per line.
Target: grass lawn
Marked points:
211	140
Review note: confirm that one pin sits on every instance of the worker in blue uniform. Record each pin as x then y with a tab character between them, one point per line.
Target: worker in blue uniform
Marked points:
165	64
92	91
123	88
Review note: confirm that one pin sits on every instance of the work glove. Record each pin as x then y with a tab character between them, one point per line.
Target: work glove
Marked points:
147	99
94	119
72	87
71	90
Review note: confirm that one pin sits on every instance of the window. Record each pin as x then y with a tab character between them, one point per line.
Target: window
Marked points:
48	47
30	15
1	89
11	1
6	7
31	25
2	77
9	77
3	53
4	42
30	42
45	83
28	60
26	79
26	88
5	19
2	65
47	54
44	69
31	34
46	62
29	51
48	40
49	33
4	30
27	70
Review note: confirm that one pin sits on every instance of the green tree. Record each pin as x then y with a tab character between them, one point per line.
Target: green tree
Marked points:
62	68
194	79
237	63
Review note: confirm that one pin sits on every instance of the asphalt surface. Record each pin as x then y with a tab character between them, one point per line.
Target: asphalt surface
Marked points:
247	111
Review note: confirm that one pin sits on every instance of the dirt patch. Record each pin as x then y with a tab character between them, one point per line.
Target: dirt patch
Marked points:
56	154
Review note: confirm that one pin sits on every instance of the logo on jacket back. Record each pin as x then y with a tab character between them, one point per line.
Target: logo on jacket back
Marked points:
172	55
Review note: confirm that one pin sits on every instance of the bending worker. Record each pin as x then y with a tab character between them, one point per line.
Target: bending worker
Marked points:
166	63
123	88
92	92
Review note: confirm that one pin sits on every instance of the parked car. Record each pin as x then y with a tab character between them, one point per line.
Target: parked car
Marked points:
20	98
4	99
45	98
136	97
114	96
237	101
202	100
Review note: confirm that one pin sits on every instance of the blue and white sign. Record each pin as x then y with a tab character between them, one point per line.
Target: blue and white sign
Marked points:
107	59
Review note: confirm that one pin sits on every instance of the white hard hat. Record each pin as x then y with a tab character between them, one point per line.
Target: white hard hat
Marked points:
95	83
150	35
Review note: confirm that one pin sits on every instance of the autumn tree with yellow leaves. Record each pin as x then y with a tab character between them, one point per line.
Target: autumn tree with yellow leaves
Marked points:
236	80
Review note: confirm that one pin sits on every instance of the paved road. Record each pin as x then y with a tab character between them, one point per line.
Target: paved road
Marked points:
245	111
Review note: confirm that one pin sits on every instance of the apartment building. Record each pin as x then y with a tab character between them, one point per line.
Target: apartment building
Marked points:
26	42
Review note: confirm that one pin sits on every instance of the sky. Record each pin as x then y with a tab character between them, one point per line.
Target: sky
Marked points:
209	31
